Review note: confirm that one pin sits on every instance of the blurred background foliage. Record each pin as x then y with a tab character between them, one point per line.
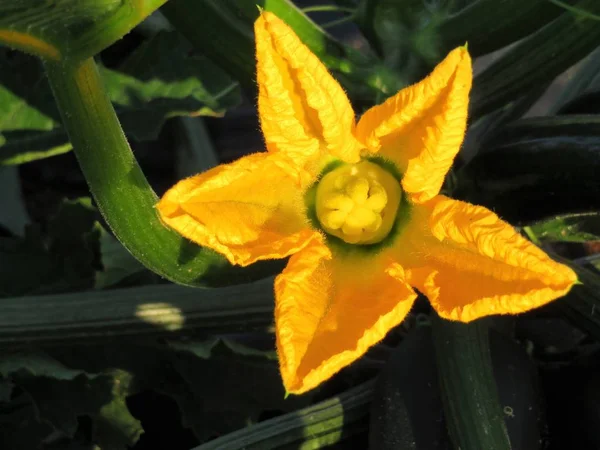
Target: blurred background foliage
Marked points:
99	350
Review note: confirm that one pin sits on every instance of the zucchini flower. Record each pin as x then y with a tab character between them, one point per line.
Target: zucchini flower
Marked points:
357	208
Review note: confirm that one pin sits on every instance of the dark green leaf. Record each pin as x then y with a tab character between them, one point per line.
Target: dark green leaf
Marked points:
204	349
121	190
587	103
63	259
586	79
536	60
28	117
35	365
405	33
229	391
61	394
19	429
117	263
157	81
218	395
25	265
69	30
536	168
6	388
582	304
489	25
223	30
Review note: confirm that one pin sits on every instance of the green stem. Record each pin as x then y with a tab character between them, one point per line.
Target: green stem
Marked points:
469	394
150	310
327	8
574	9
117	183
322	425
340	21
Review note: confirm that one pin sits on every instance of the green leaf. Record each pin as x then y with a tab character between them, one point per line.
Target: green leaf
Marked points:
405	33
196	153
586	79
218	395
117	263
223	30
474	416
69	29
63	259
159	81
204	349
536	168
156	82
489	25
19	429
25	265
121	190
35	365
582	304
333	422
61	394
28	117
568	228
536	60
228	391
6	388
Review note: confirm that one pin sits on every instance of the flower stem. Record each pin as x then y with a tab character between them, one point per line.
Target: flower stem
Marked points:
327	8
469	394
122	193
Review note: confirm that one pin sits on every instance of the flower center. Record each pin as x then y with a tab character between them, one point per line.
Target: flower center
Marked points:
358	202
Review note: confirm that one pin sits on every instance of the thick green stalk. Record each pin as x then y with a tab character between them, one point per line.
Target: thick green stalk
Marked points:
117	183
473	413
91	316
327	423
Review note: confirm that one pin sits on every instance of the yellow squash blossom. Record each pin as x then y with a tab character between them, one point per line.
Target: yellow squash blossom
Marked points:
357	207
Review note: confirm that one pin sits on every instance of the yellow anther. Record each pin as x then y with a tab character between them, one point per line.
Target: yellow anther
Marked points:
335	219
358	203
377	198
339	202
361	217
358	189
375	225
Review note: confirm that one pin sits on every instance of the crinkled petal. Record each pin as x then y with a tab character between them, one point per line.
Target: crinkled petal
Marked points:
248	210
330	311
303	111
472	264
422	127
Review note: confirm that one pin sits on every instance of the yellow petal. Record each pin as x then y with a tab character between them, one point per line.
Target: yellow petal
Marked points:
472	264
422	127
329	313
303	110
248	210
